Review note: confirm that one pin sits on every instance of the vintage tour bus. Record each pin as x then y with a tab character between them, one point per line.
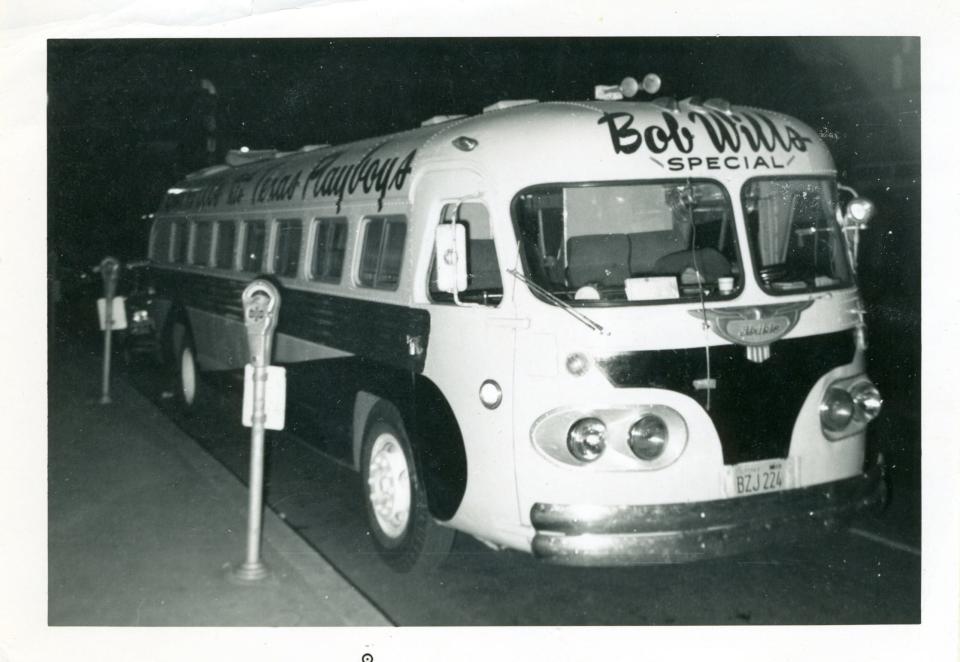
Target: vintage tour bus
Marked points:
604	332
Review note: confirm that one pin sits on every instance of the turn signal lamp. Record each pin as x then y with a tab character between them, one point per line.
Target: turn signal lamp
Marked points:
867	400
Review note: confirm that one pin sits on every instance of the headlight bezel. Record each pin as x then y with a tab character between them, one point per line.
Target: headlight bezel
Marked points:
549	433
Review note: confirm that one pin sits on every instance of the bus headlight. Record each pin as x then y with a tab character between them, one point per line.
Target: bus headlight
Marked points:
586	439
836	410
867	400
648	437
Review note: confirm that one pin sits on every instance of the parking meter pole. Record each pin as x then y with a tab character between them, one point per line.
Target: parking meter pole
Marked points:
261	303
109	271
253	567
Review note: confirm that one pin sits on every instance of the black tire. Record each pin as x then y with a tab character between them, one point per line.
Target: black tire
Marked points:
412	543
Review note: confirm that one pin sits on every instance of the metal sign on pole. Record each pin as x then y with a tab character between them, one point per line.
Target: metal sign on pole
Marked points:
112	317
261	306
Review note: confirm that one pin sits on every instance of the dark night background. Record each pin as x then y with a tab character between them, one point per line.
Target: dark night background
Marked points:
128	117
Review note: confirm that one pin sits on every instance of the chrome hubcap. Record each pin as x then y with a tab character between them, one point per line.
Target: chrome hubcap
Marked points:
188	376
388	483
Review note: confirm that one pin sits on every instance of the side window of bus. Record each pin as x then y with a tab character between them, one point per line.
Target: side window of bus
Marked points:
161	242
202	243
254	241
226	244
330	245
180	239
286	257
382	253
484	284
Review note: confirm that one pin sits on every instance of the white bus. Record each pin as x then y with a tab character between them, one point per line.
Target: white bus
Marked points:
642	340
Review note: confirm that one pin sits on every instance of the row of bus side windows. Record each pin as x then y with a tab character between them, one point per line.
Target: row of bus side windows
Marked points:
172	238
380	259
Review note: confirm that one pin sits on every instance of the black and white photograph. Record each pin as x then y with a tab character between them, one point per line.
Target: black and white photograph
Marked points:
347	331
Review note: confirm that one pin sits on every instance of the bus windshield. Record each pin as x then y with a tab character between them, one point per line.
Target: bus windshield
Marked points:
794	237
619	243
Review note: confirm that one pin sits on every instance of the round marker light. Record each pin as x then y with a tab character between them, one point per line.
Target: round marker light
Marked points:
867	399
577	364
651	83
465	143
836	410
490	394
629	87
586	439
648	437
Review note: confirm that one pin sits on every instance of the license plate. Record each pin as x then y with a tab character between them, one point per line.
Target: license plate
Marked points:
759	477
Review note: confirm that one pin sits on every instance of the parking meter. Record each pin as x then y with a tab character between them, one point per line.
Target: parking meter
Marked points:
261	305
110	271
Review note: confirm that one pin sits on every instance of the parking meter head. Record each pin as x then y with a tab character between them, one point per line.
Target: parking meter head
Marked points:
109	271
261	305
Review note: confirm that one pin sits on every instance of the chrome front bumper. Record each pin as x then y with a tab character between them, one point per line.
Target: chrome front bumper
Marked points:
681	532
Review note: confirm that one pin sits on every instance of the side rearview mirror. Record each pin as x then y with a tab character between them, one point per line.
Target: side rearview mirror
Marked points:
451	251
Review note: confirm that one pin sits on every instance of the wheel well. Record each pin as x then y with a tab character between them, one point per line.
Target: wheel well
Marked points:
434	434
176	327
362	407
177	336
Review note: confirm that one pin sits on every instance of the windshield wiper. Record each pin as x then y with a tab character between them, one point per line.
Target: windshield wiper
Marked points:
550	296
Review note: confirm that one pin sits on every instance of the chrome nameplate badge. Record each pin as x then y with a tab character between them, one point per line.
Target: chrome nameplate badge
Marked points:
757	332
754	327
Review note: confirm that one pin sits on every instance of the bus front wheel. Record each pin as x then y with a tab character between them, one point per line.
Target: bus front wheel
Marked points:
404	532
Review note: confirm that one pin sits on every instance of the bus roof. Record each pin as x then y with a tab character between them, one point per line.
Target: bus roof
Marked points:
519	145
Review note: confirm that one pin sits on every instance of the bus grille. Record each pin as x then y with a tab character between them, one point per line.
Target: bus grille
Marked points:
754	405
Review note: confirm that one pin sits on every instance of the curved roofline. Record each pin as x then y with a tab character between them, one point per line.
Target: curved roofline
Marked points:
635	139
432	132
